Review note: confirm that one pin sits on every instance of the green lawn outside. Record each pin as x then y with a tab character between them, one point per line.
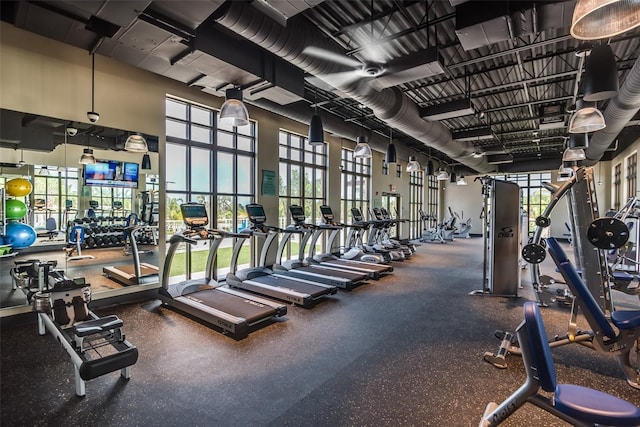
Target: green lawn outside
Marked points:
199	259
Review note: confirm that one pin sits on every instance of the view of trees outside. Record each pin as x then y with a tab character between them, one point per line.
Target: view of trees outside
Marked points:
302	181
54	186
534	197
354	187
210	164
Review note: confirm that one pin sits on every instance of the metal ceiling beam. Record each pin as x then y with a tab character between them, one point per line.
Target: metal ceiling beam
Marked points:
380	15
403	33
527	104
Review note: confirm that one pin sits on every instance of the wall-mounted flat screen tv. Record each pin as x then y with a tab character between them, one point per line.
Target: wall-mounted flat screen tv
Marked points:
111	173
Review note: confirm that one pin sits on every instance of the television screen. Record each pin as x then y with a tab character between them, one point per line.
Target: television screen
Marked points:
111	173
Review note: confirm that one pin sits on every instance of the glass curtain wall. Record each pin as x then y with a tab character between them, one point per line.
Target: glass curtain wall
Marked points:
355	185
416	192
212	164
302	181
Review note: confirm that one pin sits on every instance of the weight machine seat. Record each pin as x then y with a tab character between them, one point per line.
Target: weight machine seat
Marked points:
582	403
626	319
577	285
98	325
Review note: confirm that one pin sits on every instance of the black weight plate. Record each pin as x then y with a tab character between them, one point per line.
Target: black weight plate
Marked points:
534	253
543	221
608	233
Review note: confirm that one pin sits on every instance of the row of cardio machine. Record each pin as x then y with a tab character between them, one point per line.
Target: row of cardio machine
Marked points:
254	295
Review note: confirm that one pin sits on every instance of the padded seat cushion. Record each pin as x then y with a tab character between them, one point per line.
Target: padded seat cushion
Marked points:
98	325
626	319
594	406
623	276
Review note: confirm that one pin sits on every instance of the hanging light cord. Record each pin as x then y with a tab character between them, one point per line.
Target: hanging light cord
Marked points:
93	71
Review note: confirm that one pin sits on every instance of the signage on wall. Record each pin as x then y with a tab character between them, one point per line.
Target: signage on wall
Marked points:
268	183
392	188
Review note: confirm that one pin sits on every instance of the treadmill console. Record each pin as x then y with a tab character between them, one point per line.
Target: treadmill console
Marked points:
194	215
356	214
256	214
297	214
378	214
327	213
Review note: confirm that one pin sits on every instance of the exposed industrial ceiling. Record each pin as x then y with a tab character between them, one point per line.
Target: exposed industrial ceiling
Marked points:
511	67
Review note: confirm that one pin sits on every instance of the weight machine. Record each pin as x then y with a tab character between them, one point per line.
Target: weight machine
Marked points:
501	233
588	229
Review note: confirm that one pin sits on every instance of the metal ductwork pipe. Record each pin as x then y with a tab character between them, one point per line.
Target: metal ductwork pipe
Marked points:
389	105
617	114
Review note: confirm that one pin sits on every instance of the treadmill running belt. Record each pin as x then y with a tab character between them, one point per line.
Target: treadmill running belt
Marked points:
144	271
233	305
318	269
294	285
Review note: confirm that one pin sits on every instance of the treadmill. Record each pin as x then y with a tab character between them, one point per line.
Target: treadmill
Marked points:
299	268
231	310
260	279
140	273
373	270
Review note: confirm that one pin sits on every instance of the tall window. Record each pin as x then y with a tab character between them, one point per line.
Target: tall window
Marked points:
617	181
416	191
55	195
355	183
385	168
632	172
209	163
431	204
302	175
535	197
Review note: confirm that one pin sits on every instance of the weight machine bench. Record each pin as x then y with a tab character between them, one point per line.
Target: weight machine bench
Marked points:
602	336
97	346
579	406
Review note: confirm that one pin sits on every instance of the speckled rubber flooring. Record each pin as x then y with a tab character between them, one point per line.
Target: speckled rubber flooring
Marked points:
402	351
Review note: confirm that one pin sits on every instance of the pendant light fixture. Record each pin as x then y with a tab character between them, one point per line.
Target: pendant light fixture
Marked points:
136	143
316	132
92	115
601	19
146	162
362	150
587	118
233	111
442	175
565	171
87	157
600	79
461	181
413	165
429	170
390	156
578	140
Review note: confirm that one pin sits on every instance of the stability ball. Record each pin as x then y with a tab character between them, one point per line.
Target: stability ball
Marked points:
19	235
15	209
18	187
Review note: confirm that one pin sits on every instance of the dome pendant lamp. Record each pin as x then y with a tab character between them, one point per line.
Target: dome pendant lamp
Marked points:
603	19
413	165
362	150
390	156
587	118
233	112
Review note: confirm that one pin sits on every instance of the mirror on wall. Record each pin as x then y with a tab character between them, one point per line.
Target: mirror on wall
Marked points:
75	200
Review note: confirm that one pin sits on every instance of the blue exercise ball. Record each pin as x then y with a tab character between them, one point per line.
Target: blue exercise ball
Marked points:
19	235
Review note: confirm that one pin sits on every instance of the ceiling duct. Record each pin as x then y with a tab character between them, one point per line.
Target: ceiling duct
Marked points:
485	22
390	105
618	114
448	110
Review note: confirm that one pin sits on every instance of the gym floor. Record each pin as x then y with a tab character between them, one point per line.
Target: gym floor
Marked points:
403	351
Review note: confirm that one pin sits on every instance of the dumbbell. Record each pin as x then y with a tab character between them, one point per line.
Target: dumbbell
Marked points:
98	240
90	241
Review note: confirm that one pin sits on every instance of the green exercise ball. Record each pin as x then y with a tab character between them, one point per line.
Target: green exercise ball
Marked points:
15	209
